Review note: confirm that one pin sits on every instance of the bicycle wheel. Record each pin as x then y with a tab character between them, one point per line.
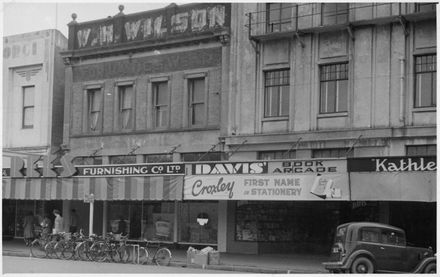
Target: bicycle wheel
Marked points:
50	249
125	253
114	253
59	247
98	252
163	257
143	255
37	249
82	251
68	252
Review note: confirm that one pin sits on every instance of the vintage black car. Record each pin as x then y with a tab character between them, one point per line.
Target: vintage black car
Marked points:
367	247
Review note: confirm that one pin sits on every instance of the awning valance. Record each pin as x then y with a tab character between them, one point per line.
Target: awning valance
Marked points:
106	188
393	186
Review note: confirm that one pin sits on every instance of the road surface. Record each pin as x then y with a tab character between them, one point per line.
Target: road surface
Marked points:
13	264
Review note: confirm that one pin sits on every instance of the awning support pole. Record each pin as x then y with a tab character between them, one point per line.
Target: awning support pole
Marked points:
91	215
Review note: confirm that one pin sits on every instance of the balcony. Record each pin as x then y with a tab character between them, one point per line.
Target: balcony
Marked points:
278	20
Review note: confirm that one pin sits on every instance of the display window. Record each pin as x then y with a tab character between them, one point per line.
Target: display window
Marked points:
198	222
8	218
299	222
142	220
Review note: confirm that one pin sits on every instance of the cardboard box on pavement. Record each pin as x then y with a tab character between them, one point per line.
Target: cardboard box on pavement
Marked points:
214	258
201	258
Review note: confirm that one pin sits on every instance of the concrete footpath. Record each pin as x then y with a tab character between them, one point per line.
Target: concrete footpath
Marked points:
263	263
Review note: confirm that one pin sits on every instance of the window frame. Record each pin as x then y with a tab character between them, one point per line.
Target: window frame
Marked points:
336	14
191	103
419	7
26	107
337	81
274	155
119	109
280	21
90	110
411	148
88	119
156	107
340	150
433	73
280	85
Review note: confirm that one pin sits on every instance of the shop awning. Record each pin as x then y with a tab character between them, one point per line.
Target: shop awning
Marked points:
106	188
393	186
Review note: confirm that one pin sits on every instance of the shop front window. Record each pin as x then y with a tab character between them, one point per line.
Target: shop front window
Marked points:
157	221
142	220
22	209
8	218
199	222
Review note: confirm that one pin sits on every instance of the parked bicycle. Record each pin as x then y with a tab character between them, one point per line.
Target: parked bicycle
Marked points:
38	247
113	248
154	253
82	250
66	248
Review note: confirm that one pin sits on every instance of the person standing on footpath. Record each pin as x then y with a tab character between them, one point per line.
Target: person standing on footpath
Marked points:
58	222
29	228
46	224
73	222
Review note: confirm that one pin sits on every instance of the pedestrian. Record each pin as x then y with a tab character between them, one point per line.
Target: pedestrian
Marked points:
73	222
29	228
46	225
58	222
122	226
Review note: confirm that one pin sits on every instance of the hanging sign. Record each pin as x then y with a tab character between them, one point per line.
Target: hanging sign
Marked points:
267	187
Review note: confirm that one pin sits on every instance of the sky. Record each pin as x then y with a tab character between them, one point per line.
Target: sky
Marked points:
20	17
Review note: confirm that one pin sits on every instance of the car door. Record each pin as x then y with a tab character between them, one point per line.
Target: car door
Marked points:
392	251
369	240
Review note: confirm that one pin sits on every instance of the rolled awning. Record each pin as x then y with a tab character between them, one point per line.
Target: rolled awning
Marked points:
106	188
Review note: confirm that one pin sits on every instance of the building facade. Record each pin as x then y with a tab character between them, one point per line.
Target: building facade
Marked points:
335	80
148	88
33	103
251	127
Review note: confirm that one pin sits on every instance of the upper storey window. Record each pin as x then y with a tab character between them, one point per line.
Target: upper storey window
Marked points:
334	88
334	13
126	115
160	98
426	81
94	109
197	93
425	7
276	93
280	17
28	107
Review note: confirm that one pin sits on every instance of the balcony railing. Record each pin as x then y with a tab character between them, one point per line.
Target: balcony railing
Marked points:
277	19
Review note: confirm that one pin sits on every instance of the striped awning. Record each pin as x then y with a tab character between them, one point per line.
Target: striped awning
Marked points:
106	188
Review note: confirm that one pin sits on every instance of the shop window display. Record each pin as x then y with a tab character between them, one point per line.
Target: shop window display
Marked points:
199	221
157	221
142	220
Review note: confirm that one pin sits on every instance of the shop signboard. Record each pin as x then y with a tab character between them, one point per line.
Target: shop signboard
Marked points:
315	166
212	168
130	170
393	178
392	164
267	187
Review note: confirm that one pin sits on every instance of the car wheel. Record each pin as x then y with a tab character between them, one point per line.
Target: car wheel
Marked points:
431	268
362	265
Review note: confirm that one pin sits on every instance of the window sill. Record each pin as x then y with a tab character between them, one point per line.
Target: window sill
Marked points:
330	115
425	109
281	118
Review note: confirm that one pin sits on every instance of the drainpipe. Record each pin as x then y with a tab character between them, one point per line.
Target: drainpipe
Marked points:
402	90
